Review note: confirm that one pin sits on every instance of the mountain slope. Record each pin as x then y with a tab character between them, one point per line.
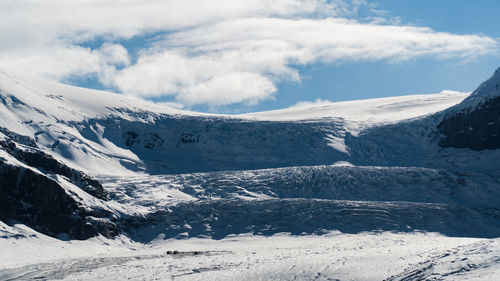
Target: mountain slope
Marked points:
50	197
374	159
105	133
475	123
378	189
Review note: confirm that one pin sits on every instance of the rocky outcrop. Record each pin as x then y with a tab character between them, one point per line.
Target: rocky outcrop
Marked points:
25	150
477	128
149	141
29	193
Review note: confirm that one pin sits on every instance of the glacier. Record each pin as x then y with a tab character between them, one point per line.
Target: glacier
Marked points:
96	185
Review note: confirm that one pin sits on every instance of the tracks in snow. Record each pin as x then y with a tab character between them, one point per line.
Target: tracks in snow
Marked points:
64	269
471	260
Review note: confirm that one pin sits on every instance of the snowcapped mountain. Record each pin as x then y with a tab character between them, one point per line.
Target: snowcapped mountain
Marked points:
49	196
475	123
105	133
76	163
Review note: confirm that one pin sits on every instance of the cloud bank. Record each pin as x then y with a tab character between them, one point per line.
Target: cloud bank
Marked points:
216	52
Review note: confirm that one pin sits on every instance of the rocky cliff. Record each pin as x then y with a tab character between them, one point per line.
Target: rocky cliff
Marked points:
32	192
475	123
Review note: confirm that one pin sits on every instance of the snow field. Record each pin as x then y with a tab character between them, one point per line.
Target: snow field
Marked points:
333	256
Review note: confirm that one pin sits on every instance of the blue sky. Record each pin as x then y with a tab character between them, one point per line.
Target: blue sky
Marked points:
362	80
235	56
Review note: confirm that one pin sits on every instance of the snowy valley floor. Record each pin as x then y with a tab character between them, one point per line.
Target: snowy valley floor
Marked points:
333	256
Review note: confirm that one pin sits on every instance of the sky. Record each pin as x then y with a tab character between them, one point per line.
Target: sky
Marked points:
235	56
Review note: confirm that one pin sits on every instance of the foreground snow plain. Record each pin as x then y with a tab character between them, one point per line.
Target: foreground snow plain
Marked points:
373	208
331	256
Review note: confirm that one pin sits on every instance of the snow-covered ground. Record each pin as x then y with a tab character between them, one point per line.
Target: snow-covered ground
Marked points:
355	190
332	256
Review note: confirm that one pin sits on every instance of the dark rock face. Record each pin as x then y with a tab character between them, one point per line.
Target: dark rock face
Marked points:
40	202
150	141
130	137
477	129
189	138
25	150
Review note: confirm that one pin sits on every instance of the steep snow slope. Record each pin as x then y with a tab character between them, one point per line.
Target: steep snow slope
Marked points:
30	97
487	90
48	196
43	111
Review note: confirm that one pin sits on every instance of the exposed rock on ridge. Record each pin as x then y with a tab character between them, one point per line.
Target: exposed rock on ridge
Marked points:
475	123
38	199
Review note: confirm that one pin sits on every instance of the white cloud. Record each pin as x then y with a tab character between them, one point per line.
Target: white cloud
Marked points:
83	19
311	103
229	88
215	52
44	37
193	64
307	40
201	79
60	61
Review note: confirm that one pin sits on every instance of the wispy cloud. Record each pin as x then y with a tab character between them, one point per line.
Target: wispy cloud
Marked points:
216	52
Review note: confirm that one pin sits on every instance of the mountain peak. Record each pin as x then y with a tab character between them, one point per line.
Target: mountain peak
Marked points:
488	89
474	123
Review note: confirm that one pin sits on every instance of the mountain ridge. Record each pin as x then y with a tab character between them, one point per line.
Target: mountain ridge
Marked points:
172	173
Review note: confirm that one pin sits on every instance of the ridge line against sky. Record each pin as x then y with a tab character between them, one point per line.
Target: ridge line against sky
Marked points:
231	54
